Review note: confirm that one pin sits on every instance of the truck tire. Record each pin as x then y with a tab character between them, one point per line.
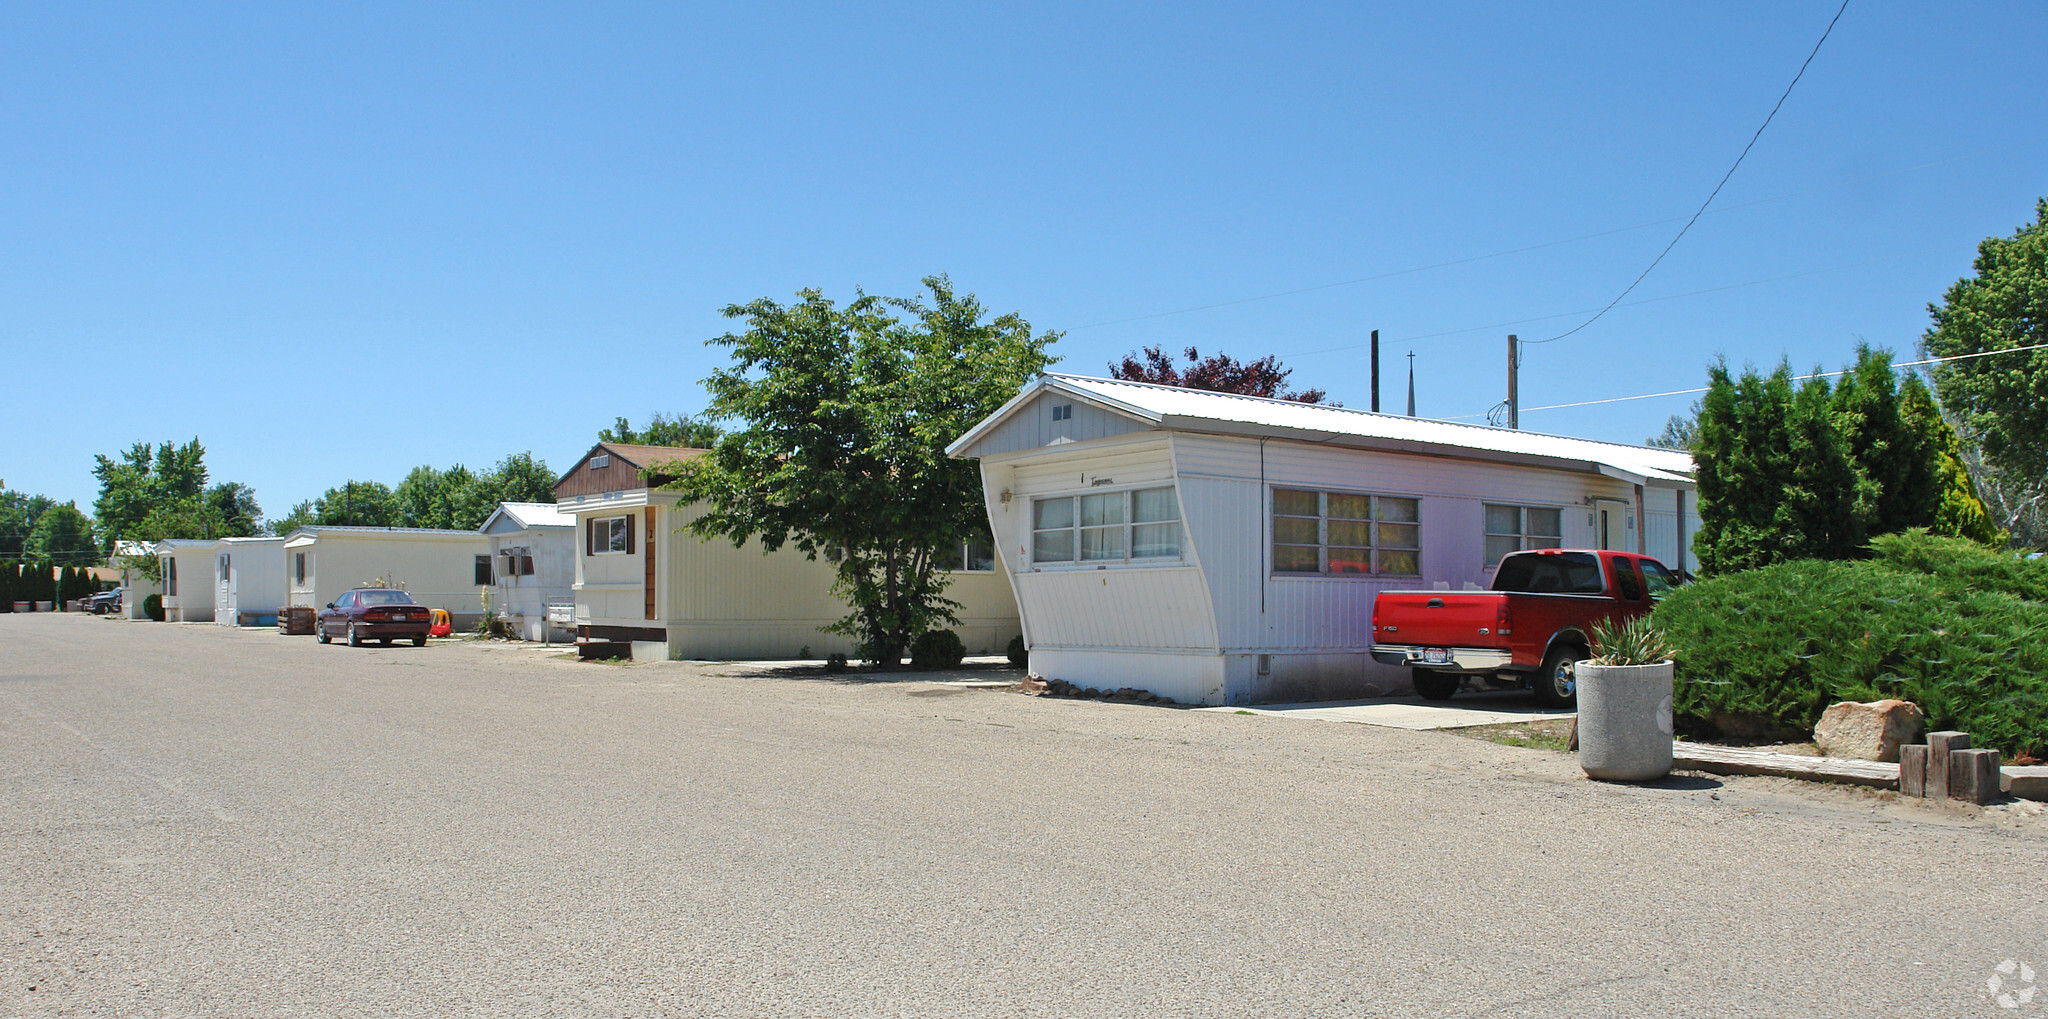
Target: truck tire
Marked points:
1555	686
1432	685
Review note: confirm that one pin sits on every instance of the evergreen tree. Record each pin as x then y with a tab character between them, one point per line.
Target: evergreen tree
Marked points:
1899	460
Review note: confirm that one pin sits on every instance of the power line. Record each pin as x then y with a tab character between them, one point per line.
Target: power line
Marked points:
1717	188
1646	300
1795	378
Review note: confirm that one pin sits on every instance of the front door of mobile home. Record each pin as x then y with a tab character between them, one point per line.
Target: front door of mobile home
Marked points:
1612	525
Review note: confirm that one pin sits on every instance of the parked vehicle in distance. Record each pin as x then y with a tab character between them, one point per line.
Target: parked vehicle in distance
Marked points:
373	613
104	602
1530	629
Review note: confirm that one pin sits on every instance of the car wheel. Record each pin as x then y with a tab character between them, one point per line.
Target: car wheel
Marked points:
354	639
320	631
419	642
1556	685
1432	685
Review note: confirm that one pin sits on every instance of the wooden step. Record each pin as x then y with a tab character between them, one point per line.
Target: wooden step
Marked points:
1743	761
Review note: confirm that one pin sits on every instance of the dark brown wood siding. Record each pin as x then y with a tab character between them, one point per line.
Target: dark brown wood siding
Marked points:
617	476
648	549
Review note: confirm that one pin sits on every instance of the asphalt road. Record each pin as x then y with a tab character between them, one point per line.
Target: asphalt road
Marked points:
196	821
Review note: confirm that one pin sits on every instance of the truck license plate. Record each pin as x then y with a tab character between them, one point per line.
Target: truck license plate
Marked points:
1436	656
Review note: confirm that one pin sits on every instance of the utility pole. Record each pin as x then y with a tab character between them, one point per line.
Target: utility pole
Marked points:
1411	383
1375	371
1514	382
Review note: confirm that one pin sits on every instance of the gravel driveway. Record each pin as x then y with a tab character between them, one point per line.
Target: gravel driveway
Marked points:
201	821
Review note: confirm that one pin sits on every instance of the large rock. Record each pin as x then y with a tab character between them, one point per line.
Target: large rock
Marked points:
1868	732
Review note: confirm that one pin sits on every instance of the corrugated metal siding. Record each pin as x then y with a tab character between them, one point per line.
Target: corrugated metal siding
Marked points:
1163	608
1031	426
1227	510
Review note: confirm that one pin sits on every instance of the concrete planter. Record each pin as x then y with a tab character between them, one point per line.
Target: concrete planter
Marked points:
44	606
1624	721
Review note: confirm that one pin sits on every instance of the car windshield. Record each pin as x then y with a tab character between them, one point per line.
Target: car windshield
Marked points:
383	598
1550	573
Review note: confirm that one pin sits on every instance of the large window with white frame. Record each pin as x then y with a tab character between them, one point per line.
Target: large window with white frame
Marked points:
1106	527
1346	534
1514	528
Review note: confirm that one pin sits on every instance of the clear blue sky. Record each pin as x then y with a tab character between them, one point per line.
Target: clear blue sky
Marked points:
340	244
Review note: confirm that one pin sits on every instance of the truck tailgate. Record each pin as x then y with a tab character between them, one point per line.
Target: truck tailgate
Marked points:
1437	618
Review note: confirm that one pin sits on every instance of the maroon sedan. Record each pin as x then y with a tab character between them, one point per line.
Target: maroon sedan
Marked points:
373	613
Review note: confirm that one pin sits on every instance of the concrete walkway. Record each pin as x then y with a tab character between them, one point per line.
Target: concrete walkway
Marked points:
1416	713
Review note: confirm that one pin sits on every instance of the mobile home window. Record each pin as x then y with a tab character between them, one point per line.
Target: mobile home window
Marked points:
483	571
299	567
611	534
171	576
223	567
1106	527
1346	534
971	556
1514	528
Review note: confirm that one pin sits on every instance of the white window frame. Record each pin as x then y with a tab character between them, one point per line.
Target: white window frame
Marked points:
1524	538
1373	546
612	533
1127	526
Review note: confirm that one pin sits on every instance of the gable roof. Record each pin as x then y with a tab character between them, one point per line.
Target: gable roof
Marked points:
1171	408
529	515
640	457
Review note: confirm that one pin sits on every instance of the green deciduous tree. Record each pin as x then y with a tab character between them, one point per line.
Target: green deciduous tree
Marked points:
62	536
152	492
682	430
842	416
2001	400
18	514
358	504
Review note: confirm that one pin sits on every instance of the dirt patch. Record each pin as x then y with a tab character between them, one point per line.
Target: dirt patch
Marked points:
1540	734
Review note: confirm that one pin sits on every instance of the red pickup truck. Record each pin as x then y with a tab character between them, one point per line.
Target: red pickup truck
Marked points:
1530	629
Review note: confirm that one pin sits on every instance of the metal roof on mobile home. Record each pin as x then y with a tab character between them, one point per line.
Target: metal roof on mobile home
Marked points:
1170	408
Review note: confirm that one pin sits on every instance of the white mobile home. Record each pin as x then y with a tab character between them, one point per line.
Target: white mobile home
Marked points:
248	581
440	569
135	588
533	565
1223	549
186	564
643	580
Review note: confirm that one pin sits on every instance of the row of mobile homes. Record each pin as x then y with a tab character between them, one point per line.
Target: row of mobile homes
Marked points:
645	582
1221	549
533	565
447	570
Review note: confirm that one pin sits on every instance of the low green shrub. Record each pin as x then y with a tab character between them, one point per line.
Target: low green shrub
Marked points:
937	649
1019	655
1929	620
835	662
153	607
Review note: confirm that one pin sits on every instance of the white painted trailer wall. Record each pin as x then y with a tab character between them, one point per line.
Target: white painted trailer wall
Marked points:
253	582
438	568
187	568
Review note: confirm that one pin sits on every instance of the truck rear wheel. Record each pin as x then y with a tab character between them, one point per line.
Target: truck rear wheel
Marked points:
1432	685
1556	685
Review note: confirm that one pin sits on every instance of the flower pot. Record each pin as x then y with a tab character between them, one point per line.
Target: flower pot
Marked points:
1624	721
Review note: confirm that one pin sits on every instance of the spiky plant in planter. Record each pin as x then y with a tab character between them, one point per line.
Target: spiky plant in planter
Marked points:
1635	641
